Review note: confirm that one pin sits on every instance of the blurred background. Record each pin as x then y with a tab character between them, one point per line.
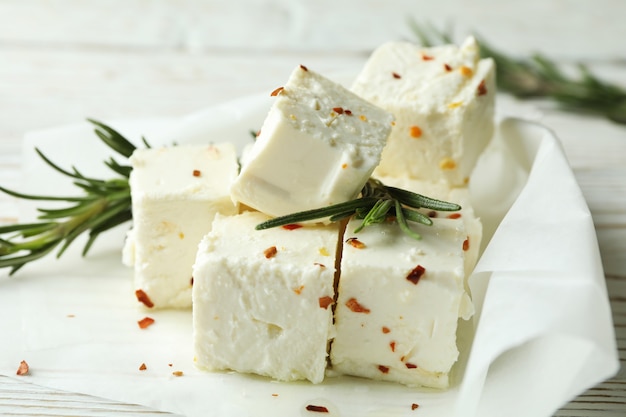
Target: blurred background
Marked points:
64	60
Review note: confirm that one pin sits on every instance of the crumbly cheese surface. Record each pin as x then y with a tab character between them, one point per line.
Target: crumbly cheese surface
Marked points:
263	299
175	193
318	146
443	102
399	301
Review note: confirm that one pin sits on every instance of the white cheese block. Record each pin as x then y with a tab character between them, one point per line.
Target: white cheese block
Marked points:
443	102
317	147
458	195
399	301
262	300
176	192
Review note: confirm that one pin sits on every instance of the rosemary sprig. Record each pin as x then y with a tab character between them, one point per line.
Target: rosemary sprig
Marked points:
538	76
104	205
377	203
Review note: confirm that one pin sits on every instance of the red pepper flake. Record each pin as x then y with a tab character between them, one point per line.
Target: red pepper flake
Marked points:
316	408
355	243
466	244
23	369
191	281
338	110
447	67
170	364
178	373
354	306
392	345
348	112
142	297
415	275
482	89
270	252
386	329
292	226
427	57
143	367
325	302
303	68
454	216
396	75
383	369
145	322
277	91
414	406
432	214
320	265
196	173
415	132
410	365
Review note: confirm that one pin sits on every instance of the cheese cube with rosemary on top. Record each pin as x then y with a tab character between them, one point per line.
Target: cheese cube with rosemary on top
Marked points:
399	301
317	147
443	101
262	299
458	195
176	192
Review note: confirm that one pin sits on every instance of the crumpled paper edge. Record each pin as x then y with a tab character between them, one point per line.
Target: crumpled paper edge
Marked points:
548	358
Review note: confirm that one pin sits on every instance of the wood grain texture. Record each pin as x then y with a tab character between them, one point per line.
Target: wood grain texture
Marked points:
64	60
19	398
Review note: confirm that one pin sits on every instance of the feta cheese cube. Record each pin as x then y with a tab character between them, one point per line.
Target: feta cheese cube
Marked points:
262	299
317	147
176	192
443	102
398	303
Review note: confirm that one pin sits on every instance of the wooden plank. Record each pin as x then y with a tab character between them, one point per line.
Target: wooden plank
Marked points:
19	398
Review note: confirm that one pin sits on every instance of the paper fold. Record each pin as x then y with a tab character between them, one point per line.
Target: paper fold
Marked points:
544	323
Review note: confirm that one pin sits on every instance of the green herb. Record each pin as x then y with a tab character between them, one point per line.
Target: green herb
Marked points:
538	76
104	205
377	203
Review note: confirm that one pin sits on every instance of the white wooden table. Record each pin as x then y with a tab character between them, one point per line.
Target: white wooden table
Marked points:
64	60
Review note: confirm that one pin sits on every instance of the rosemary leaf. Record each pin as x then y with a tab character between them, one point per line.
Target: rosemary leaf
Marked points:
421	201
113	139
41	197
403	224
317	214
377	214
64	212
123	170
22	227
416	216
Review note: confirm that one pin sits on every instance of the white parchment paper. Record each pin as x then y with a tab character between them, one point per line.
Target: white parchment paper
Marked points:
542	334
